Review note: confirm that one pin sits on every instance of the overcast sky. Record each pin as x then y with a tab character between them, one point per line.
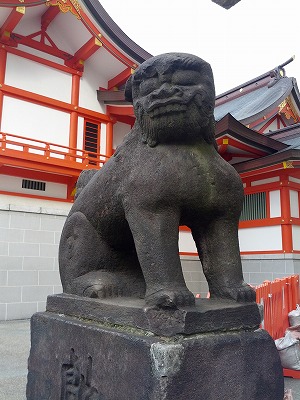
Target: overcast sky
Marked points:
240	44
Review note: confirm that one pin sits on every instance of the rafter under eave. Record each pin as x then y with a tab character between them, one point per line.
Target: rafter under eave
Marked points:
11	22
49	16
38	45
119	79
86	51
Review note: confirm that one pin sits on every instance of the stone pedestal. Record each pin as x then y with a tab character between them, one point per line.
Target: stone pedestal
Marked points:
73	358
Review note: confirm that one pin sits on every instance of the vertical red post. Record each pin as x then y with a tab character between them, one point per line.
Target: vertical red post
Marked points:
3	58
286	226
109	140
74	114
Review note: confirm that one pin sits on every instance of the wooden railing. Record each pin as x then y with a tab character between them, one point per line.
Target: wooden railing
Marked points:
10	144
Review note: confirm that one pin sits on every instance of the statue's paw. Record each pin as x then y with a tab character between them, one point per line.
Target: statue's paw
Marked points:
242	293
170	298
106	284
102	291
97	284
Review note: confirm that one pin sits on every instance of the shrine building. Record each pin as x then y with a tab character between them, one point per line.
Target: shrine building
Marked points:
63	67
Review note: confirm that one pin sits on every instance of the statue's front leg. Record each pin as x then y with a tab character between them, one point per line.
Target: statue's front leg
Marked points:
218	248
156	240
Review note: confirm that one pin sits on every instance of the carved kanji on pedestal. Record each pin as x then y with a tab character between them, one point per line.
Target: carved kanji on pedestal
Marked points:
75	384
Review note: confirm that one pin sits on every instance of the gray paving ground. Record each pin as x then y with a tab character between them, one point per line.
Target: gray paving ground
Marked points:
14	351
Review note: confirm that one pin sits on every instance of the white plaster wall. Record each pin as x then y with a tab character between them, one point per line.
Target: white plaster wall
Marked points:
47	81
89	84
14	184
265	181
296	237
294	201
186	242
293	179
120	130
34	121
267	238
26	204
275	204
80	133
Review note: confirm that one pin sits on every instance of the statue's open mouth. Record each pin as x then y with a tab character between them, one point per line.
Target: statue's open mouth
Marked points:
163	109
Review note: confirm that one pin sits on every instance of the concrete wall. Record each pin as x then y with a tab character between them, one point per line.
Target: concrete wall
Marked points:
261	267
29	238
256	269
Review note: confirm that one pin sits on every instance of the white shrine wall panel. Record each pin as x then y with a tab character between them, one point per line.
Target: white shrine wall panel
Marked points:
14	184
38	78
120	130
293	179
90	82
80	130
266	238
275	204
41	54
294	201
265	181
296	237
103	139
34	121
186	242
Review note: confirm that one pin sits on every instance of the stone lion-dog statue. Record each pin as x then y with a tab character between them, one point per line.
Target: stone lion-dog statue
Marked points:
121	235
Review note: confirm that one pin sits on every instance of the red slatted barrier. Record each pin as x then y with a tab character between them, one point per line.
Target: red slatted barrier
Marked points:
279	298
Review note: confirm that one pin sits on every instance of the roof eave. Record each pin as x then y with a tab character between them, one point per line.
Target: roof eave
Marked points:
267	161
232	125
115	32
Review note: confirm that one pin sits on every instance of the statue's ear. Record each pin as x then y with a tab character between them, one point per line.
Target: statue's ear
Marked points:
128	89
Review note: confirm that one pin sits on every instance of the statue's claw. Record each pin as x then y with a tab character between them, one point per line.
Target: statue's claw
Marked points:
170	298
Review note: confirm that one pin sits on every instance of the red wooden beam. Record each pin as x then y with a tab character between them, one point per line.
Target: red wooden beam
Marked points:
117	110
125	119
49	16
86	51
264	118
52	103
54	51
264	127
11	22
226	141
249	149
119	79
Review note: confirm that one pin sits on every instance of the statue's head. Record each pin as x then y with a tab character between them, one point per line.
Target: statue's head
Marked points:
173	97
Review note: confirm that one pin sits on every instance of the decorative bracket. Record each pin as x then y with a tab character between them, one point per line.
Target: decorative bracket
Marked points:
67	5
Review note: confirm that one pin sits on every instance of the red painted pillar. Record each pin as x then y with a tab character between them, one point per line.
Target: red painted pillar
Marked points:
109	139
286	226
3	58
74	114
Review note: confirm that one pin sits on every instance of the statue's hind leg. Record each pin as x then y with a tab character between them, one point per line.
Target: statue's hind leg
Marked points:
90	267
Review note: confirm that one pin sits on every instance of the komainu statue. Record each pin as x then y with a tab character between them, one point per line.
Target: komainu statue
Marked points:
121	236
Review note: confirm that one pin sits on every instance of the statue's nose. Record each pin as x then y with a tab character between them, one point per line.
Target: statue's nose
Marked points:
165	91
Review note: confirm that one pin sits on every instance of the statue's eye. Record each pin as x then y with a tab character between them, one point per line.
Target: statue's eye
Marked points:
186	77
148	85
